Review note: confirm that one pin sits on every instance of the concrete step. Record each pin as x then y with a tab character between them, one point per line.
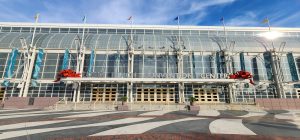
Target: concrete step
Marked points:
135	106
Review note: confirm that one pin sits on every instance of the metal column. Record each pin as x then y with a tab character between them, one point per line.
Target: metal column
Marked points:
31	59
180	74
79	67
276	71
130	68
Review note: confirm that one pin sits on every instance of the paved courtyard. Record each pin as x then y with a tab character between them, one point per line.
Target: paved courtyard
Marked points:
103	124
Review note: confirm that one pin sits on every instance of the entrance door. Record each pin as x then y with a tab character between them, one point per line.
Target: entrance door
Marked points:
1	93
206	95
97	94
155	95
298	92
104	94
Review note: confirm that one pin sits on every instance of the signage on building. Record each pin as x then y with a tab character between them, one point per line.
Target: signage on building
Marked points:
164	75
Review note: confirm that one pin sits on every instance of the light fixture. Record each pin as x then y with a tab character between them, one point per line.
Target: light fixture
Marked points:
271	35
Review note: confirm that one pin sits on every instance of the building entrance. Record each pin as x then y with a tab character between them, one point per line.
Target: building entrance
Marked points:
156	95
104	94
206	95
298	92
1	93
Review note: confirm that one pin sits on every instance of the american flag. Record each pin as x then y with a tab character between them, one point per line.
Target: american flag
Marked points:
129	18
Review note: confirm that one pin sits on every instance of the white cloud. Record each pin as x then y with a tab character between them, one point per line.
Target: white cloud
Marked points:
292	19
196	6
61	11
111	11
7	13
246	19
143	11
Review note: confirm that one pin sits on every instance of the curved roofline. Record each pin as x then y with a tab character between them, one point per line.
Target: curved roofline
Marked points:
157	27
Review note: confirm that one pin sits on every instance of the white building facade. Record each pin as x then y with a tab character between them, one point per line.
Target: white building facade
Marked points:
148	63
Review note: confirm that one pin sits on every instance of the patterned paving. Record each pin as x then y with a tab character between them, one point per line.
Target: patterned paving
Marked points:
38	124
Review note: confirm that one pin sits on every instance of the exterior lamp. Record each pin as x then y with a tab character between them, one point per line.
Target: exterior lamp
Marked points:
271	35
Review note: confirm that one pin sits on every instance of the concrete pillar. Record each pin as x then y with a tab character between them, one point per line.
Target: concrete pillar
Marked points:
181	92
130	92
231	93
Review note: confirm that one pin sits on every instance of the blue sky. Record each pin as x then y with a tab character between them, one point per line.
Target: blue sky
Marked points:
283	13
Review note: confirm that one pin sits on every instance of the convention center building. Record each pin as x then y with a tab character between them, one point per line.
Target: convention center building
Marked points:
148	63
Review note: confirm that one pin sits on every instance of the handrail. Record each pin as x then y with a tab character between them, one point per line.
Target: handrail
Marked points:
95	103
61	100
115	102
75	105
81	99
65	99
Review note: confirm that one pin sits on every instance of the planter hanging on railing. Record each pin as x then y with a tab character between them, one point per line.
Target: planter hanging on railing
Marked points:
66	73
242	75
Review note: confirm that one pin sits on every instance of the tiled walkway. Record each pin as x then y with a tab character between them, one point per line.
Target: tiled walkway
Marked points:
37	124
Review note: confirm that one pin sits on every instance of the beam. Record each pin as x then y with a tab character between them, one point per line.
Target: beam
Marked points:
153	80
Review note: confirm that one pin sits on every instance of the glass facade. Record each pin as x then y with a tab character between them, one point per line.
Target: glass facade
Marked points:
157	54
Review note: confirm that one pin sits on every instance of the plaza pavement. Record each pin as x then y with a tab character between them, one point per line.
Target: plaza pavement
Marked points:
47	124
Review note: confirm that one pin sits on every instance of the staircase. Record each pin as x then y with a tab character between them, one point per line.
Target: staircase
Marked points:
1	97
146	107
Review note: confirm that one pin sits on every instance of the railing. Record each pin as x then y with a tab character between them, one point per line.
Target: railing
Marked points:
81	99
114	103
65	99
95	103
75	104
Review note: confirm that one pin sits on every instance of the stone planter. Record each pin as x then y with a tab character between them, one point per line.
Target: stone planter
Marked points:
192	103
122	107
193	108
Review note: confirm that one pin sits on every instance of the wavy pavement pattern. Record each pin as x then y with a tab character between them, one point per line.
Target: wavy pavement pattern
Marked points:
252	114
208	113
140	128
156	113
30	124
13	134
136	125
92	114
229	126
38	113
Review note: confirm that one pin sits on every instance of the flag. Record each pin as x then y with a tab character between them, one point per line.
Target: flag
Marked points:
176	18
266	20
91	63
84	19
37	16
221	19
129	18
65	62
9	71
38	63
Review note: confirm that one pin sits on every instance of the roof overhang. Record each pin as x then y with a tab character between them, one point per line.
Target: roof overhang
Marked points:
153	27
152	80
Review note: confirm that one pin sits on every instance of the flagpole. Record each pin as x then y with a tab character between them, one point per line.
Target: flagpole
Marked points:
81	52
269	24
130	62
225	34
83	30
131	35
80	63
33	35
178	24
30	61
